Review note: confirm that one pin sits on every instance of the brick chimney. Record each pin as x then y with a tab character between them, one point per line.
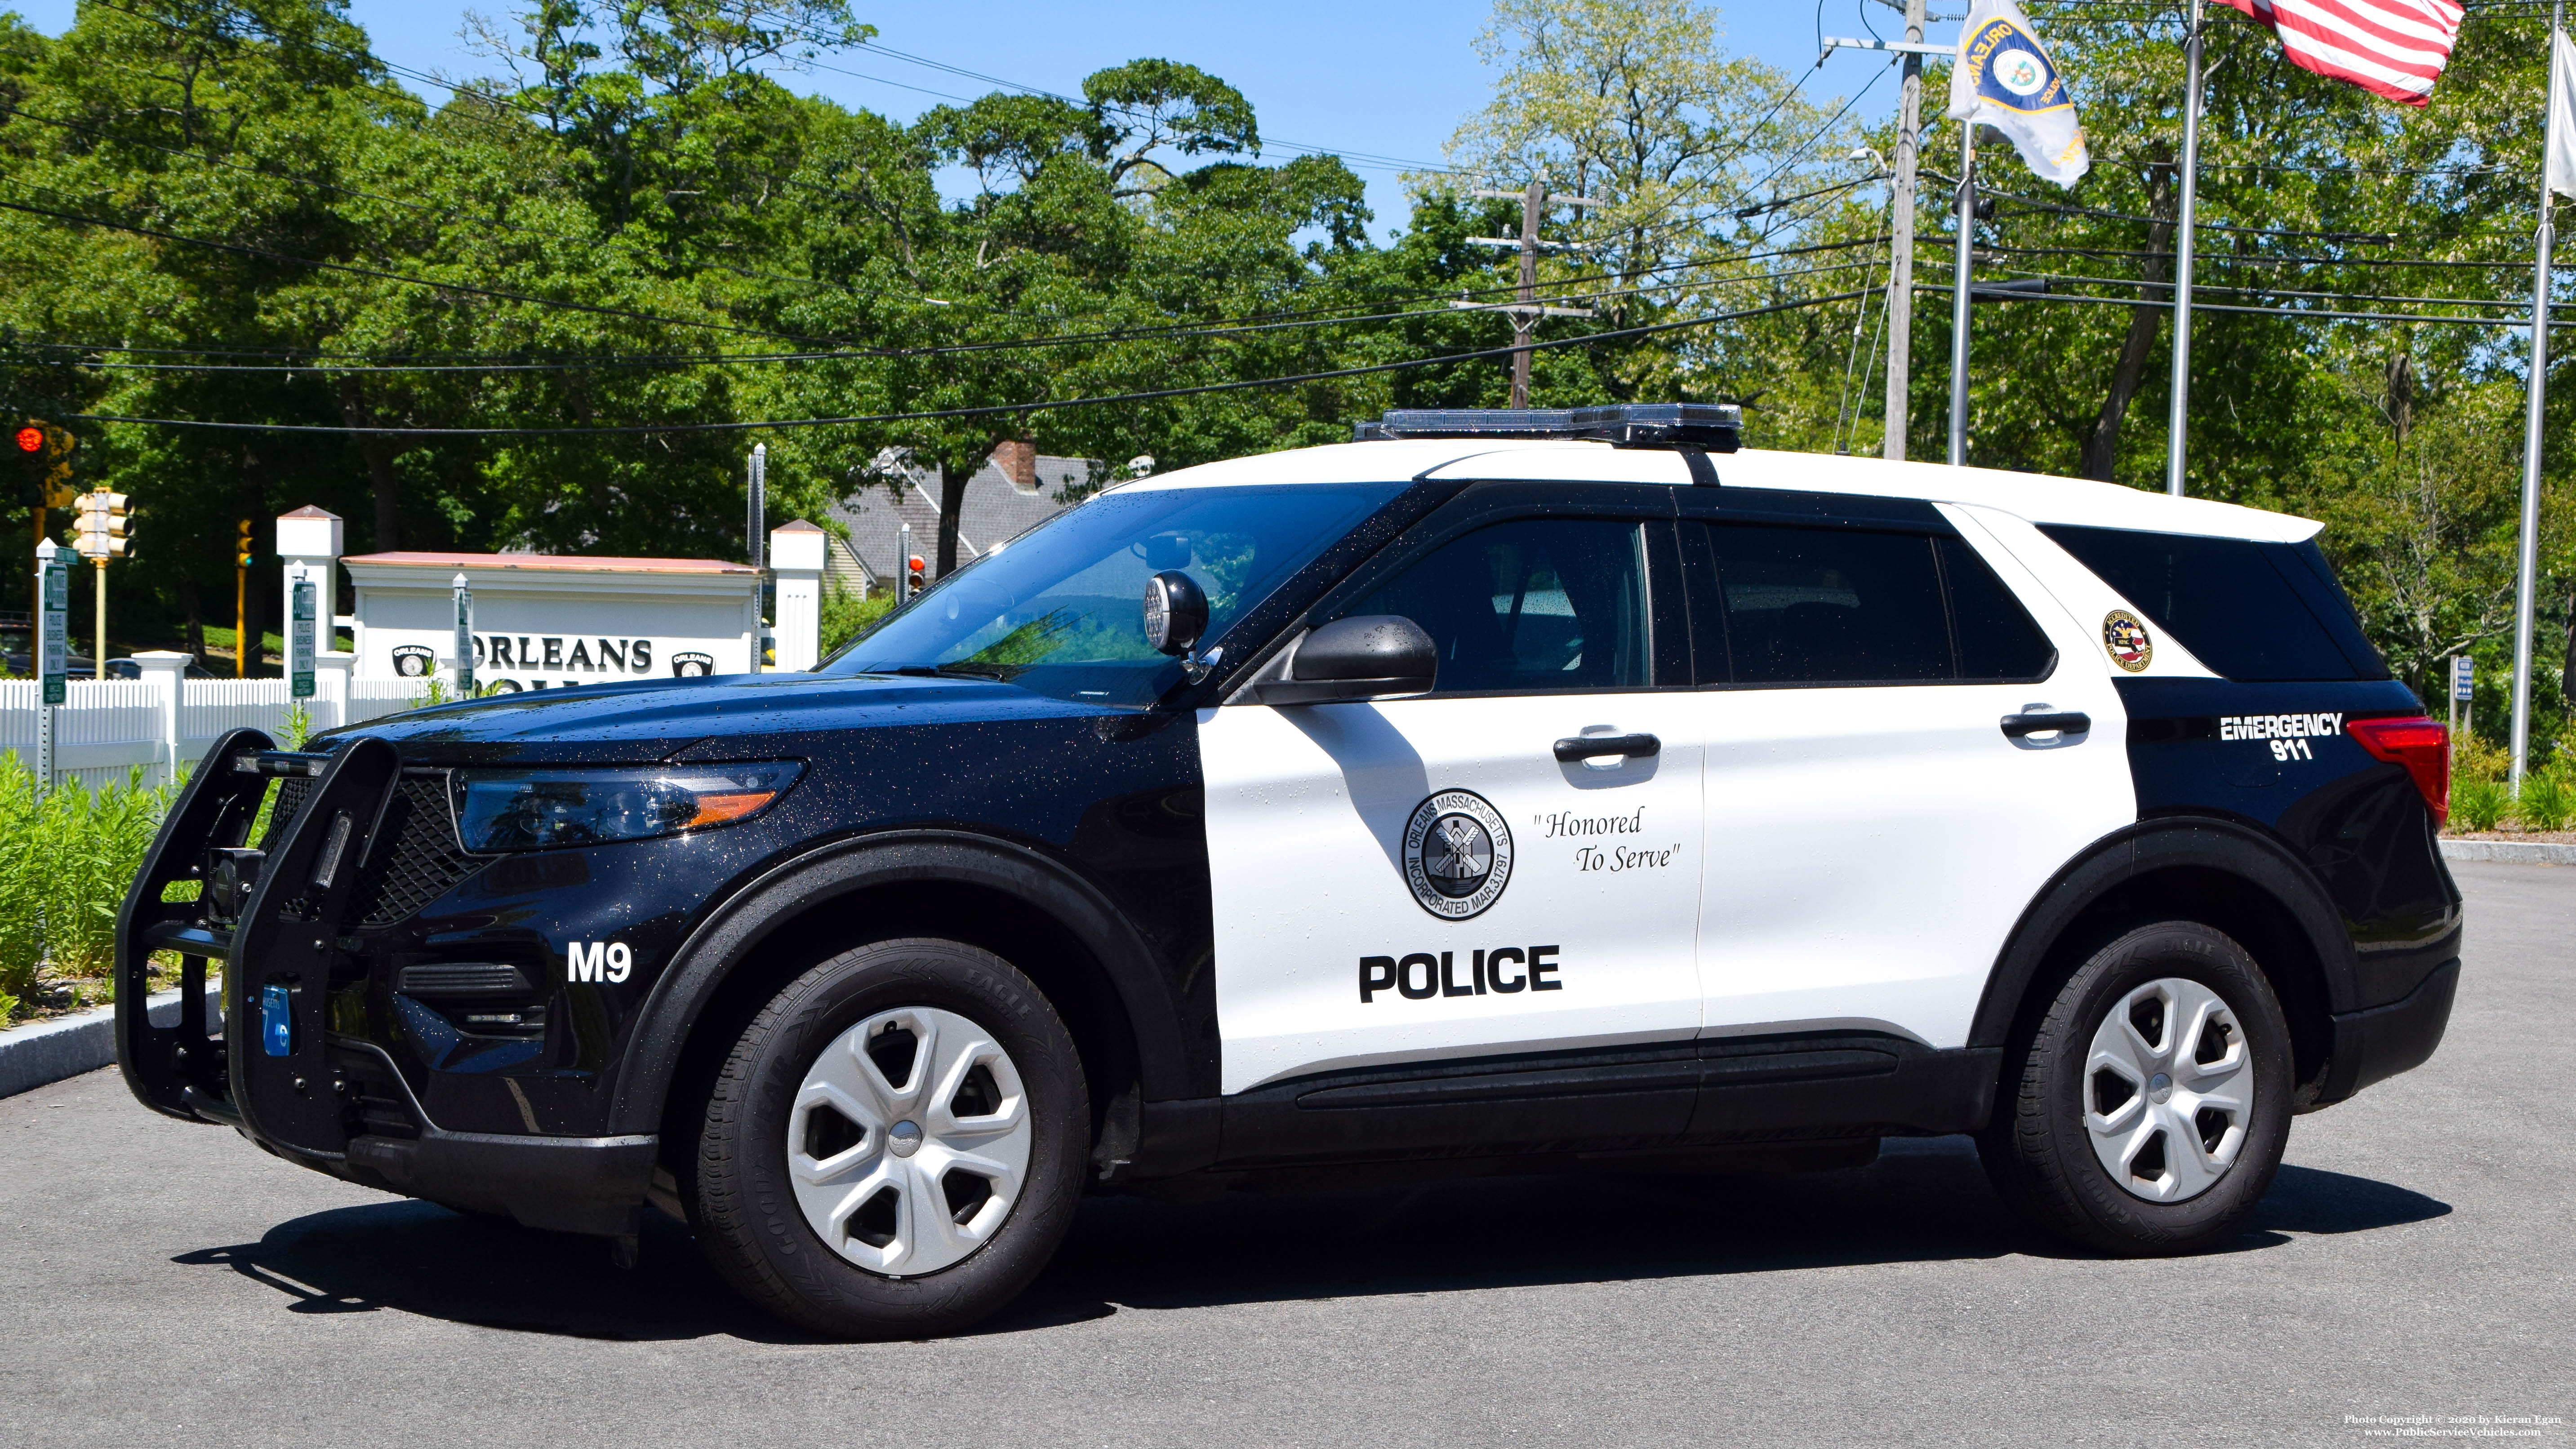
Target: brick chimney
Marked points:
1018	460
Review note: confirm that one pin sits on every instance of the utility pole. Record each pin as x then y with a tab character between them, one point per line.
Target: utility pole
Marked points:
1900	273
1533	206
1525	308
1900	201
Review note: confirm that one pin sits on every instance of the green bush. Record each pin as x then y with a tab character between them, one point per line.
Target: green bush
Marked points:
2478	804
65	862
846	615
2548	798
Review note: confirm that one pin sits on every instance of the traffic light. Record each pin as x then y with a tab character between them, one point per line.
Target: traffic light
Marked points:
242	551
915	574
27	465
99	532
41	458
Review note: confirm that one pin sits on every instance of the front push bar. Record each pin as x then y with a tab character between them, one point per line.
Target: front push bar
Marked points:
277	948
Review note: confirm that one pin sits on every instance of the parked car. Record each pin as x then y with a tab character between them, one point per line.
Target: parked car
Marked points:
1509	791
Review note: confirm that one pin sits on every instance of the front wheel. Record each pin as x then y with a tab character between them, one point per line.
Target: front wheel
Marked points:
895	1146
2147	1110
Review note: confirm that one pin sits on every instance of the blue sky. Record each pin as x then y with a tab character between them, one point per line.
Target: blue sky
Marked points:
1387	79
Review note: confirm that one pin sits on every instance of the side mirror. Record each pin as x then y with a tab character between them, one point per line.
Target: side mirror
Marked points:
1176	612
1369	656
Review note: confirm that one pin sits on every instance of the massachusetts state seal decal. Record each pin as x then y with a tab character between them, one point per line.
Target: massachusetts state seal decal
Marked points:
1457	854
2127	640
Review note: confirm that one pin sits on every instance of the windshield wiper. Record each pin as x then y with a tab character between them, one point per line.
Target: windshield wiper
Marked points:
998	672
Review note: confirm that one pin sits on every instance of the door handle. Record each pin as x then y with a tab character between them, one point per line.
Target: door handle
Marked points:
2065	722
1585	747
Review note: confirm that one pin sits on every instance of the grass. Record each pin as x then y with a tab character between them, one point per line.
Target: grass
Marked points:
65	862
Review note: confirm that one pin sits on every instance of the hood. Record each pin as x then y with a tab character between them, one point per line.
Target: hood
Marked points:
730	716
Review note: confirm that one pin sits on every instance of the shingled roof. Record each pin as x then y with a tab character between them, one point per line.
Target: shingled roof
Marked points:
996	512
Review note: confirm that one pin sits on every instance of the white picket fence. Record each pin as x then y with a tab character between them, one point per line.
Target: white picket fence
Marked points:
105	729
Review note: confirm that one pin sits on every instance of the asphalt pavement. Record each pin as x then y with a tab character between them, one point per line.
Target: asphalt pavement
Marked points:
164	1283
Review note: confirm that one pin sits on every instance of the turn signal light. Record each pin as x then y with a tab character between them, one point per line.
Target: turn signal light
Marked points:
2422	745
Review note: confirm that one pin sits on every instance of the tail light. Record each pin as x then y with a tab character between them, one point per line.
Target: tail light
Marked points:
2422	745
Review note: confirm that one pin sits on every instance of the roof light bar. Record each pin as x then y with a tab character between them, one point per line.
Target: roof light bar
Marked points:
1712	427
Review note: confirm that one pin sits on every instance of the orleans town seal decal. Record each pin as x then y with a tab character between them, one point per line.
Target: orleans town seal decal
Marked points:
1457	854
2126	638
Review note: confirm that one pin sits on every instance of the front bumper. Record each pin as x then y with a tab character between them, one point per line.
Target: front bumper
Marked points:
291	1071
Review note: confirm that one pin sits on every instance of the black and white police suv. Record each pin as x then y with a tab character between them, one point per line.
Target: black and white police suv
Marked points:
1500	792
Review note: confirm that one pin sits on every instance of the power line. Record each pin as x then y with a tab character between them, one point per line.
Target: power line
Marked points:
377	272
998	409
2283	313
316	361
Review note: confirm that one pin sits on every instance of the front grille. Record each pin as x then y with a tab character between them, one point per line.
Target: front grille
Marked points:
462	978
415	859
290	798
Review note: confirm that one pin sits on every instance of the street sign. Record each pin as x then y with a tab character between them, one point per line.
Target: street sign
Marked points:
464	638
2463	677
299	639
53	635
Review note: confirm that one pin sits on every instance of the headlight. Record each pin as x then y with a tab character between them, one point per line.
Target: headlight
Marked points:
537	809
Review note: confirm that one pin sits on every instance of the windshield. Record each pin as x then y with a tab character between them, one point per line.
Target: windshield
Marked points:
1061	610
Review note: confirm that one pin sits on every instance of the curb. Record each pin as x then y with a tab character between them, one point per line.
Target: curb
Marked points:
2510	852
48	1051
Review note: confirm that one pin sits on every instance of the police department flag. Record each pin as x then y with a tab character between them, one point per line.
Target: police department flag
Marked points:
2561	152
2005	79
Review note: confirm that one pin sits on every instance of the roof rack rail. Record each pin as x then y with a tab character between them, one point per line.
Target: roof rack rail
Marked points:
1712	427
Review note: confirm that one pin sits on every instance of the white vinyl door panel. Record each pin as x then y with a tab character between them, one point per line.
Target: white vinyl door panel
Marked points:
1309	810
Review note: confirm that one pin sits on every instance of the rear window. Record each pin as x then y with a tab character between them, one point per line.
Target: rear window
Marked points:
2251	611
1846	606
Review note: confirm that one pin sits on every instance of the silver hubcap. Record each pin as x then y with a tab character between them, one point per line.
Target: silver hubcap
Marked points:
909	1141
2168	1090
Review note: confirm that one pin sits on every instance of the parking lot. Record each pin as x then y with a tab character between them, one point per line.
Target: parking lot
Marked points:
167	1282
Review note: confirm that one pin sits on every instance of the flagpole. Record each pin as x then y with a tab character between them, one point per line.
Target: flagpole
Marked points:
1959	294
2179	429
2527	574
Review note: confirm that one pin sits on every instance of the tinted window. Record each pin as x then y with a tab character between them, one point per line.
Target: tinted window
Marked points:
1997	640
2223	598
1061	609
1535	604
1830	606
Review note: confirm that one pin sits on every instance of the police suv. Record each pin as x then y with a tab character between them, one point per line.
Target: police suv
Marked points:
1503	791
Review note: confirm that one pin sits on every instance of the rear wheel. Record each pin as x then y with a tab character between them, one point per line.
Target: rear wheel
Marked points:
2146	1111
895	1146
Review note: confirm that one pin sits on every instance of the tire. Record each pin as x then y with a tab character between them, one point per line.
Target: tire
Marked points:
813	1200
2118	1129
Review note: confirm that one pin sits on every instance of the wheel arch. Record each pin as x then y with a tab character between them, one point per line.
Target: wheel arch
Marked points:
2219	872
1055	926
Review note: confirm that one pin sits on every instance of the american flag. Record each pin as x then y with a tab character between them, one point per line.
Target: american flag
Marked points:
2392	48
